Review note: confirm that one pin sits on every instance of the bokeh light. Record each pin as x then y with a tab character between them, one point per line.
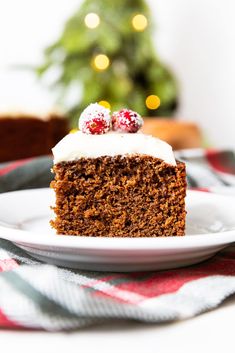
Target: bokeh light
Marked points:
101	62
73	131
139	22
92	20
105	104
152	102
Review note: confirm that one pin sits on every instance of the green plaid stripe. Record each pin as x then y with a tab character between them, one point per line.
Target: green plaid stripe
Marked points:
35	174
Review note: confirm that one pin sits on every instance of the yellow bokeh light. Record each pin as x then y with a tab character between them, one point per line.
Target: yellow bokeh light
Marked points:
101	62
73	131
139	22
152	102
105	104
92	20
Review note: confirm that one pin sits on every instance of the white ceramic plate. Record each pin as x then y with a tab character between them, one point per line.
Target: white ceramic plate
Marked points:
25	215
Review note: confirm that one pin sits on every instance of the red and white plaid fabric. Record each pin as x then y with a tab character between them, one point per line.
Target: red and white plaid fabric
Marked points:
40	296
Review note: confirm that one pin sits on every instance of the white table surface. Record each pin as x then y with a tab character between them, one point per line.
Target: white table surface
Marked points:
210	332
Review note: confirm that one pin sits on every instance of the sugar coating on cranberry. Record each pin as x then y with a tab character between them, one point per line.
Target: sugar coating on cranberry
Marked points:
95	120
126	120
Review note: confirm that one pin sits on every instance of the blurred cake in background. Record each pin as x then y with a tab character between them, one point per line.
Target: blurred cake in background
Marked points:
179	134
24	135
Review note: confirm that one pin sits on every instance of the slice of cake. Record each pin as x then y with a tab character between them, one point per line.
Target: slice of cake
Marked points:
117	183
24	135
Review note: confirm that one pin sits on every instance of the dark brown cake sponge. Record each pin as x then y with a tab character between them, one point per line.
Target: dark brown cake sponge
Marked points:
121	196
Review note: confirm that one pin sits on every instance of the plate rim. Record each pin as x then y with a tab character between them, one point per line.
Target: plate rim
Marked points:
114	243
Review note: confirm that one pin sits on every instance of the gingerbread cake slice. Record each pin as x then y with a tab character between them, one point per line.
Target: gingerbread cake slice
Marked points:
117	183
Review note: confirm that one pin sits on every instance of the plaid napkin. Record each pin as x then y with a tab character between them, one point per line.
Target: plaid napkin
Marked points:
34	295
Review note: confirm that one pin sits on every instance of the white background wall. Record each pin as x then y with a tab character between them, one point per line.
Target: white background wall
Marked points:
195	37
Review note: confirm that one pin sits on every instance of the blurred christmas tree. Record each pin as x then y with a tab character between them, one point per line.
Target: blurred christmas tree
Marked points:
107	51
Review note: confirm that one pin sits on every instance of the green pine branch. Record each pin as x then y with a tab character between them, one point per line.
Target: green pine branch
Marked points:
135	71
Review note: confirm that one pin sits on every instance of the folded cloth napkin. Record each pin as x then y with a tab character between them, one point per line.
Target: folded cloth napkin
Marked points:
39	296
26	174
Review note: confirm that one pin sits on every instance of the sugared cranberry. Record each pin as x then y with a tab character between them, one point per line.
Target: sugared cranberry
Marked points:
126	120
95	120
95	126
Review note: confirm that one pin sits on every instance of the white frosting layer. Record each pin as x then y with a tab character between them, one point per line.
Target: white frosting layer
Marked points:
78	145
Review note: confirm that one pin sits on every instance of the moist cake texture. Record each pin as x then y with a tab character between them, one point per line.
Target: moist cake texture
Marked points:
121	196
